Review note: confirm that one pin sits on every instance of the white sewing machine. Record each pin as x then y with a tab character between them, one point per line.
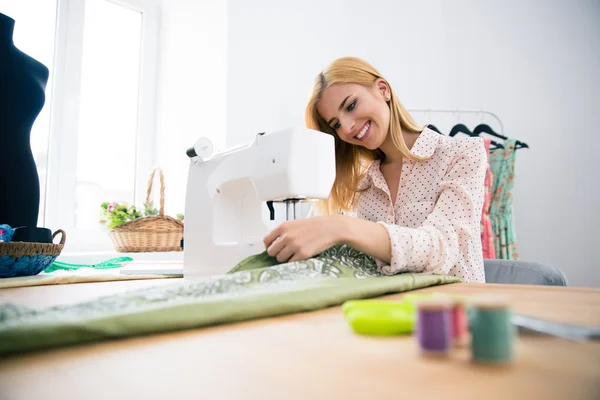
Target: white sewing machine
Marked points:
231	194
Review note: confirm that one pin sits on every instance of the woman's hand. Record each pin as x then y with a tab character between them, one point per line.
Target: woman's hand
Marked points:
304	238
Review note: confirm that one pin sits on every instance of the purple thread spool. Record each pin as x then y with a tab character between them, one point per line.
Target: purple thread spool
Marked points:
434	326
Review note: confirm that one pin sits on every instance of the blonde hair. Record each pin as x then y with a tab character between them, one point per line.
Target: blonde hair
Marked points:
352	161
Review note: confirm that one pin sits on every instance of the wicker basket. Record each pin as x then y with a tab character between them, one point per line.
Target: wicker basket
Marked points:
159	233
29	258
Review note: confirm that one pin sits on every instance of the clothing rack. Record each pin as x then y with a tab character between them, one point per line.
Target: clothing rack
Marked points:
458	112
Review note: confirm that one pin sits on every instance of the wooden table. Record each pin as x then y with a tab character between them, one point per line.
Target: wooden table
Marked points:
305	356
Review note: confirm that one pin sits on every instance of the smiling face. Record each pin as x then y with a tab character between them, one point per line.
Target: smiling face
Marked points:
358	114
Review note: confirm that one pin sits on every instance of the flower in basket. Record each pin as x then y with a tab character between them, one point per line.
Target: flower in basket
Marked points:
116	214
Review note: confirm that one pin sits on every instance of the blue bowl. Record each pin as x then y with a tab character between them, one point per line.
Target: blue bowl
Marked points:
11	267
28	258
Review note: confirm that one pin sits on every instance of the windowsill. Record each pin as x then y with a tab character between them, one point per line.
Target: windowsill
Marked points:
94	257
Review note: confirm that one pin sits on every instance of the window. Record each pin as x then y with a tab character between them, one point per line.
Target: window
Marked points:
108	109
94	139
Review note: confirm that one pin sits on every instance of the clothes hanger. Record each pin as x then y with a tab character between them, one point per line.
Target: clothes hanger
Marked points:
433	128
461	128
484	128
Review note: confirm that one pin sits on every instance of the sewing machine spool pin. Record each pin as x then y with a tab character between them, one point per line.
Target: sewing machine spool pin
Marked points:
291	207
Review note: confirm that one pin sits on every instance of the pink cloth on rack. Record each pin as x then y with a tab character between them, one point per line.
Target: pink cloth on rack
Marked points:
487	234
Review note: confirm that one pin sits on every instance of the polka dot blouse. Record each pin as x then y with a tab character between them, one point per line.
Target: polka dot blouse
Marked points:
434	226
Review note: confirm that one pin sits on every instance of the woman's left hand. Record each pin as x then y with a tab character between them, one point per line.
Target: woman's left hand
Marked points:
304	238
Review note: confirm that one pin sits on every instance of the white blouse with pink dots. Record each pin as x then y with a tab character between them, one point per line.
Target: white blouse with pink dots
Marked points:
434	226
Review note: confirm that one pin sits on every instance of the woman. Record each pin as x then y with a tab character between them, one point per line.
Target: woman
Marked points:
406	195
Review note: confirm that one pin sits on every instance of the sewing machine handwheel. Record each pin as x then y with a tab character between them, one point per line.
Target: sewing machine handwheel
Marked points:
203	148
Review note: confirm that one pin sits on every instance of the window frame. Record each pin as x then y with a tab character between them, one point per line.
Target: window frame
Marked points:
61	178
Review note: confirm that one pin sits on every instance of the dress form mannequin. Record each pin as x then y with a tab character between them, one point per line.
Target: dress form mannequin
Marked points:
22	96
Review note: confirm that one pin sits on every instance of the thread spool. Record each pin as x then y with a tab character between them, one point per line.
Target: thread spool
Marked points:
492	332
434	329
460	323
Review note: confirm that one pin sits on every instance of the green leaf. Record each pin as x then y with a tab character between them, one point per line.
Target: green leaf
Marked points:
150	210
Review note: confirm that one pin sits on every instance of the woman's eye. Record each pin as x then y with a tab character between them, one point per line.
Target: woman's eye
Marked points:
351	106
336	126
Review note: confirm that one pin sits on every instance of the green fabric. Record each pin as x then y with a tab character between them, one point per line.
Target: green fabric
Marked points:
108	264
256	288
502	164
261	260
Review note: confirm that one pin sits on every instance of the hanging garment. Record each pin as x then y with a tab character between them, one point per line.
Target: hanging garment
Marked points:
487	233
502	164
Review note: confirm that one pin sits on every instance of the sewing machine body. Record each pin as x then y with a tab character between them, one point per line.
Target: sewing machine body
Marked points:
227	192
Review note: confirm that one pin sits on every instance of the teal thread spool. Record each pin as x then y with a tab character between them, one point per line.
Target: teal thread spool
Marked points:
492	332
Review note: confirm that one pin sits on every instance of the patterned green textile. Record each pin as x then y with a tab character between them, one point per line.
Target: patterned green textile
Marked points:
257	287
502	164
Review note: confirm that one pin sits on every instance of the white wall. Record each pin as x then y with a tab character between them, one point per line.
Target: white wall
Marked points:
192	82
534	63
